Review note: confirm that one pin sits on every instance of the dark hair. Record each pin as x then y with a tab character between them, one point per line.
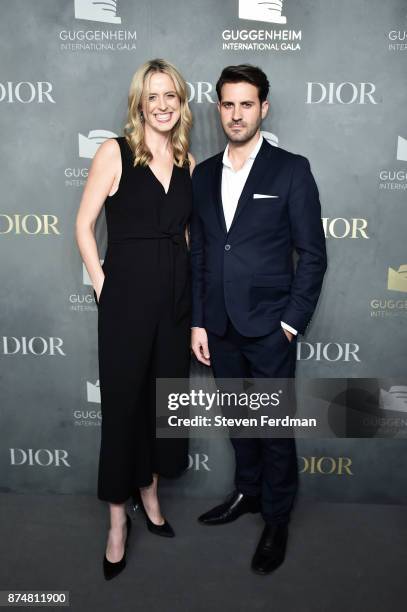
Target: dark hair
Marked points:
244	73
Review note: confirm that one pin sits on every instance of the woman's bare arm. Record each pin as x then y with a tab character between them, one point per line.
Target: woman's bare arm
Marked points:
104	176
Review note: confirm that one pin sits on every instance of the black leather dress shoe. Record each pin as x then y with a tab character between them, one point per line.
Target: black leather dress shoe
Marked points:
270	551
111	569
234	506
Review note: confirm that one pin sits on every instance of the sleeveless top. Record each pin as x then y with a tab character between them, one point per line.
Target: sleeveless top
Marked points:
140	211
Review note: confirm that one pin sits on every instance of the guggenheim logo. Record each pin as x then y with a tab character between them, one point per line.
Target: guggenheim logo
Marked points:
88	145
270	12
401	148
97	10
93	392
397	279
395	399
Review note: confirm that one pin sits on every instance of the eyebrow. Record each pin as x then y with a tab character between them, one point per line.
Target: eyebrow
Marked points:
154	93
242	102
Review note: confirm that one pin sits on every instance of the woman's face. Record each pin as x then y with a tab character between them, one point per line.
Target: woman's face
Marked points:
160	103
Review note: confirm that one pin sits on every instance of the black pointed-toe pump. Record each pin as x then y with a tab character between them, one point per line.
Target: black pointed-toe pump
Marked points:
164	530
112	569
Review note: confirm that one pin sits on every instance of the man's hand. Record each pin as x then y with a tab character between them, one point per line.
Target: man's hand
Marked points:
199	345
288	334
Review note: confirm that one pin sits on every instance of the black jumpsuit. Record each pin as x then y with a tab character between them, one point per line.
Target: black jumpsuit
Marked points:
143	324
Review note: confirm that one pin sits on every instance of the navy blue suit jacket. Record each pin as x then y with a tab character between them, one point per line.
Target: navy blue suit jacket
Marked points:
247	273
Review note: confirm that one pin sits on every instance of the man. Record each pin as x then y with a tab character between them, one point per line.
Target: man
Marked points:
254	205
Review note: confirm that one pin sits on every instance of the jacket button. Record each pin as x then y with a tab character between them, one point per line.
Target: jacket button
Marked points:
227	247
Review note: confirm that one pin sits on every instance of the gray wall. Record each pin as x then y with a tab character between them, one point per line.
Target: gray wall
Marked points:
59	81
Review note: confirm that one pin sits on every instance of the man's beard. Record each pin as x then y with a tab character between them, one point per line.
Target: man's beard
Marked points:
241	138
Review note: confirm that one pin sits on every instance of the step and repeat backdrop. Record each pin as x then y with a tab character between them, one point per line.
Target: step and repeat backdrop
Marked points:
338	96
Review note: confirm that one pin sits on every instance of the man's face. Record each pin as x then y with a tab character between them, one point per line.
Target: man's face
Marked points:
240	111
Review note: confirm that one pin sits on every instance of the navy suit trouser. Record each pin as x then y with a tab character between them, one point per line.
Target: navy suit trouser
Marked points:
265	467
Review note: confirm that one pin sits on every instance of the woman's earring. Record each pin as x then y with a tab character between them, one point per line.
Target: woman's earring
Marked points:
141	116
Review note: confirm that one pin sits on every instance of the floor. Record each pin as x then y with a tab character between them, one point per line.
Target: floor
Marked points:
340	558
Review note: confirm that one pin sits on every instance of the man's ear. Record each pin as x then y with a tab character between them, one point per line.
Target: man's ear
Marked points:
264	108
218	105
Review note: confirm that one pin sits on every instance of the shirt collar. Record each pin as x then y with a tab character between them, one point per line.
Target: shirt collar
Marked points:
226	160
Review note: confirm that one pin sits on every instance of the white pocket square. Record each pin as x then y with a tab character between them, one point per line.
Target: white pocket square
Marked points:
257	196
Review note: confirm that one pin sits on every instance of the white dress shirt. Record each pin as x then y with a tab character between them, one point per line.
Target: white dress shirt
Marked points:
233	182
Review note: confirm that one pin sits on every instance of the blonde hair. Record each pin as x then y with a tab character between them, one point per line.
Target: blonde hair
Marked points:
134	129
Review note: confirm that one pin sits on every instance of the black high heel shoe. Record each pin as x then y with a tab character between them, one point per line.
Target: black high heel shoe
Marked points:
111	569
164	530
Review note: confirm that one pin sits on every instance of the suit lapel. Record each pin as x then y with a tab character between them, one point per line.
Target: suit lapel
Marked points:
262	167
217	193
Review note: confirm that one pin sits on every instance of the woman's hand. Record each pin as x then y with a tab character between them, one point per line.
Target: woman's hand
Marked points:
99	286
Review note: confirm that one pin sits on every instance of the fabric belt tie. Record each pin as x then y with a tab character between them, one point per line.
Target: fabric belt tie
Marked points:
177	281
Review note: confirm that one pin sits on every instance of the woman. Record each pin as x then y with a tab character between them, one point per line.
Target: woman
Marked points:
142	292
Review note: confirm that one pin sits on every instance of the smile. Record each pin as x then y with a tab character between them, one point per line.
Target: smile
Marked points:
163	117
